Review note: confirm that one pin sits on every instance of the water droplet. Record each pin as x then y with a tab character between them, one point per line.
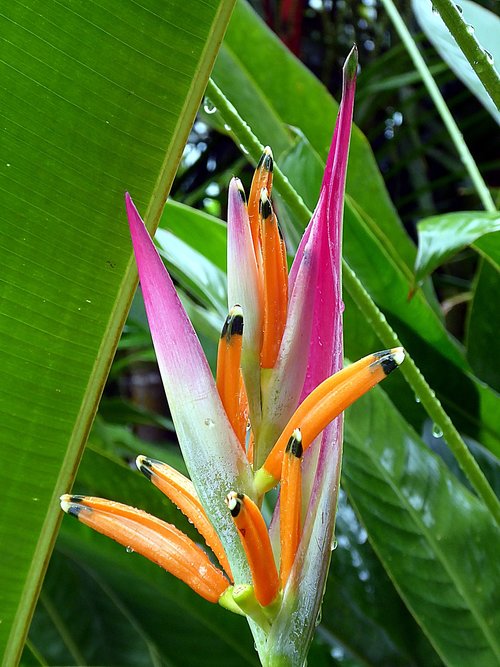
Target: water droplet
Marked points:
227	127
470	29
459	9
338	653
489	57
417	399
208	107
243	149
318	618
397	118
209	422
436	431
362	535
334	544
129	550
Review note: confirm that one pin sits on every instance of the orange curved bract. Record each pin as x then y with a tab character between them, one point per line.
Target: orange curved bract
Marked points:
161	542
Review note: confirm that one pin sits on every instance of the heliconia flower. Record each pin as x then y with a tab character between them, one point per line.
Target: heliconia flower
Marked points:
272	416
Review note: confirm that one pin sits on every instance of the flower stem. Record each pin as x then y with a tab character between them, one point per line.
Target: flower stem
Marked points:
374	317
446	116
478	58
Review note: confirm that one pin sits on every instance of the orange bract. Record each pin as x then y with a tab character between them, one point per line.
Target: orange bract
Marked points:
325	403
275	283
161	542
180	490
262	178
255	540
290	504
229	378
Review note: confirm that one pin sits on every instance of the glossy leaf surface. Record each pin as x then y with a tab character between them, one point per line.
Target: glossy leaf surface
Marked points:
440	237
96	98
363	615
435	539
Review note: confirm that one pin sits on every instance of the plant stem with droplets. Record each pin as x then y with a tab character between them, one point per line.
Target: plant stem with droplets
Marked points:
479	59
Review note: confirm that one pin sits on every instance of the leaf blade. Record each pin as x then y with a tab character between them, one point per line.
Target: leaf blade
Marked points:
441	236
92	114
428	531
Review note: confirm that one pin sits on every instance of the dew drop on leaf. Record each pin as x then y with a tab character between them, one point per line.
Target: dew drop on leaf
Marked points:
436	431
208	107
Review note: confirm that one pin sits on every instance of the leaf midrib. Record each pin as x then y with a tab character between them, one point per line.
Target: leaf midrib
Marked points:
481	623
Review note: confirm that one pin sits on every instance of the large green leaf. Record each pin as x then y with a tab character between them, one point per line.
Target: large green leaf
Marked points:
95	98
362	613
436	540
441	236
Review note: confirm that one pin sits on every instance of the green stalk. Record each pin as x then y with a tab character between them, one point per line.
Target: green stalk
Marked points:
478	58
446	116
374	317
